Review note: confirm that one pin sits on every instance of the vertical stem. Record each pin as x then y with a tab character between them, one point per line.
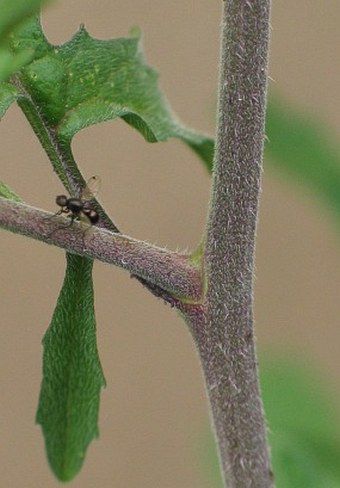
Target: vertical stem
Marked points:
223	328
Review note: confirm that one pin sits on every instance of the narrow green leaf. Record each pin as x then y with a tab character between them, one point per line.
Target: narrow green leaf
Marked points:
86	81
299	146
6	192
8	94
72	374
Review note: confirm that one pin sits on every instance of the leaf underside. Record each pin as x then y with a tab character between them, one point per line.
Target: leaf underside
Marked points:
72	374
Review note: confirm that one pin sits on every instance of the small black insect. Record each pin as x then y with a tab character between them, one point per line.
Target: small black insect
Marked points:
80	208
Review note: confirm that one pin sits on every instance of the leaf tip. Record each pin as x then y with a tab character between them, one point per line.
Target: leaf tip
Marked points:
82	32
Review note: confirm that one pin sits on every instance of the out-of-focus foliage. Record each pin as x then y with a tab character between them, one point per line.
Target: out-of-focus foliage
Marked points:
299	147
303	431
12	14
302	419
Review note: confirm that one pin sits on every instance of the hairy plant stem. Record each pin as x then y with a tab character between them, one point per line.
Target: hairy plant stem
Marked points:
167	270
223	326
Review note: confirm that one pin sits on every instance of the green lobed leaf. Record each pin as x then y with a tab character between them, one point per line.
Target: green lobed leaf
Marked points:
299	146
72	374
86	81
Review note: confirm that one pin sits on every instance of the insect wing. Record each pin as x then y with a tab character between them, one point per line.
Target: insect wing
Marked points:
91	189
88	232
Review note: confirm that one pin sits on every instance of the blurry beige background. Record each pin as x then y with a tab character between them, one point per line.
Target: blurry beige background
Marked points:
153	417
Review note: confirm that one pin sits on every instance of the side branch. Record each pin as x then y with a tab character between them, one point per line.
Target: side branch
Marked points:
168	270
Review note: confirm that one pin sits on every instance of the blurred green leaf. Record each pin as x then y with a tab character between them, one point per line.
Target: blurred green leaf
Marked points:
210	464
12	14
86	81
302	419
72	374
297	464
295	398
300	147
10	63
303	431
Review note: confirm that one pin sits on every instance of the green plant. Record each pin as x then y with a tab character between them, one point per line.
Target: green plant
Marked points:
62	89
